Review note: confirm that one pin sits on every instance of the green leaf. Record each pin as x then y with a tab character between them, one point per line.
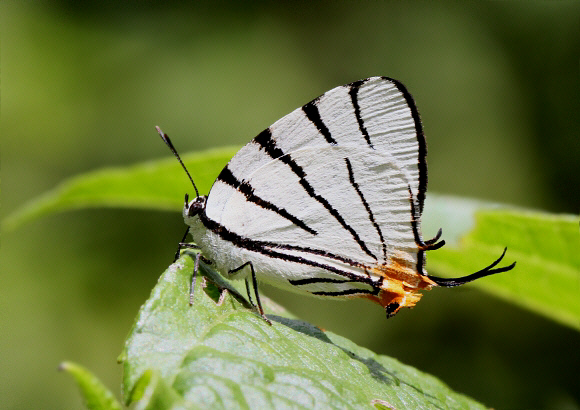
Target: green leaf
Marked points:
95	394
546	247
227	356
158	184
152	393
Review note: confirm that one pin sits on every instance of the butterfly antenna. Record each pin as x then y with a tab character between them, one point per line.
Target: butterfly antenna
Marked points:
167	141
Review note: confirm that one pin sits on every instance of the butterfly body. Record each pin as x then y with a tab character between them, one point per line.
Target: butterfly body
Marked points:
327	201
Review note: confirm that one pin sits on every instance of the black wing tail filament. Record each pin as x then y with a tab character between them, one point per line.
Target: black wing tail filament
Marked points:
451	282
432	244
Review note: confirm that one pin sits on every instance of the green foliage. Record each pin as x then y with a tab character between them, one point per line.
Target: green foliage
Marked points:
95	394
151	392
546	248
227	356
150	185
496	85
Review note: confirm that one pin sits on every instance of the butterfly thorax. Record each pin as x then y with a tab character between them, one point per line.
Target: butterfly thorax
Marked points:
206	234
192	213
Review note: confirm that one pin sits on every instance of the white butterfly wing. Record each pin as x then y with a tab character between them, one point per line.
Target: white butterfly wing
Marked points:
351	202
330	189
377	112
347	212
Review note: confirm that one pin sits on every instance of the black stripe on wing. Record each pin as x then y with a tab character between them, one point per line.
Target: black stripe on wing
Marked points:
270	249
422	154
318	252
346	292
422	246
367	207
267	143
245	188
309	281
353	92
312	113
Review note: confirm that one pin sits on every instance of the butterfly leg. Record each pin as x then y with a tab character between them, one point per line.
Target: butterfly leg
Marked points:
181	245
255	284
248	292
193	278
189	246
198	257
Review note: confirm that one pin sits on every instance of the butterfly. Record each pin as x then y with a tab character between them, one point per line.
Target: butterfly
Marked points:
327	201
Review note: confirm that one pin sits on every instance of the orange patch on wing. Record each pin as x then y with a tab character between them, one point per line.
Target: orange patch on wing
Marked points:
401	284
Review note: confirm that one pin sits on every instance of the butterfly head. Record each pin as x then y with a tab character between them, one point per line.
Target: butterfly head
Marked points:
194	207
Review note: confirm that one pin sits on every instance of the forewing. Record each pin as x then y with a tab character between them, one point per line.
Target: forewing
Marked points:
377	112
339	175
346	203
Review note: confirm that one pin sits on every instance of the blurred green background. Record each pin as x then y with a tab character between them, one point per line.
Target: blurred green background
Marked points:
84	83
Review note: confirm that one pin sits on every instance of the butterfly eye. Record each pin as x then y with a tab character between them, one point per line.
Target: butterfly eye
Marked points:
196	206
